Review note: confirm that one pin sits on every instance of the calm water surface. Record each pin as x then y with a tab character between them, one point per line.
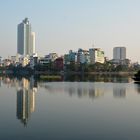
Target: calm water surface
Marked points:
69	110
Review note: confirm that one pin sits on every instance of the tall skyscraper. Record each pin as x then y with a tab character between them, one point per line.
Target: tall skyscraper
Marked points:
32	48
119	53
25	38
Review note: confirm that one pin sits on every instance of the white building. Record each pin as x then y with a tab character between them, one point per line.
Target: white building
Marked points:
96	55
51	57
14	59
32	48
25	38
33	60
6	62
83	56
119	53
24	61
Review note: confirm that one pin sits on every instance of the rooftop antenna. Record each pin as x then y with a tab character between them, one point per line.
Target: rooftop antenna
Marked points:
93	45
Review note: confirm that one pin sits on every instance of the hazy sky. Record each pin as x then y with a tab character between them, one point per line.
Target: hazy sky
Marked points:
61	25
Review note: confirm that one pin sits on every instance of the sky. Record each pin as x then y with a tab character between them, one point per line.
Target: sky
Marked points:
62	25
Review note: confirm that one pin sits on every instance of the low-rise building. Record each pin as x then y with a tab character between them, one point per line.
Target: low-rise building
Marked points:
51	57
6	62
59	64
66	59
121	62
14	60
44	61
33	60
24	60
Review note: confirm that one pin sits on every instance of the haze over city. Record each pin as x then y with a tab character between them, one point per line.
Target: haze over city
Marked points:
71	24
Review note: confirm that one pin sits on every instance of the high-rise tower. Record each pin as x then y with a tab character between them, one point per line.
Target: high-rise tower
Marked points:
25	38
119	53
32	48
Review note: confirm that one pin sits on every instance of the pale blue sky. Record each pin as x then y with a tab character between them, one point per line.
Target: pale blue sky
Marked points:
61	25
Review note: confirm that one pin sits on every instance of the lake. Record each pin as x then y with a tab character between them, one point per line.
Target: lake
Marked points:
69	109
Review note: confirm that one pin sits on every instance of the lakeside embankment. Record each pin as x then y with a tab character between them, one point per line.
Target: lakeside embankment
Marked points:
25	72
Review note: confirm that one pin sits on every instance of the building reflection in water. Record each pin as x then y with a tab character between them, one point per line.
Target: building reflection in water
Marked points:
90	92
119	92
137	86
26	99
0	81
81	90
95	93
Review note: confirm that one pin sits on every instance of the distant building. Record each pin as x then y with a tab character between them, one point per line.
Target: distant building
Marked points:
32	48
33	60
59	64
72	56
6	62
25	39
119	53
66	59
83	56
44	61
1	63
51	57
14	59
119	56
96	55
24	61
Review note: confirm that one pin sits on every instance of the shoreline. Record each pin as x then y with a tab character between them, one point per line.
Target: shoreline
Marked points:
25	72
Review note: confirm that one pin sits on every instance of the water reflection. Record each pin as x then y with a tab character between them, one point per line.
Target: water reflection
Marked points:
137	85
70	110
99	78
80	89
26	89
25	100
0	81
119	92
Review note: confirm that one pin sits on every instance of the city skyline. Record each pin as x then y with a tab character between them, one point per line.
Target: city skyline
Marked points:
64	25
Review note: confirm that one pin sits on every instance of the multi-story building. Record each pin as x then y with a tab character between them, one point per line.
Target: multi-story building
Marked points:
24	61
6	62
33	60
83	56
14	60
66	59
1	63
51	57
32	48
59	64
25	38
96	55
119	54
72	56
